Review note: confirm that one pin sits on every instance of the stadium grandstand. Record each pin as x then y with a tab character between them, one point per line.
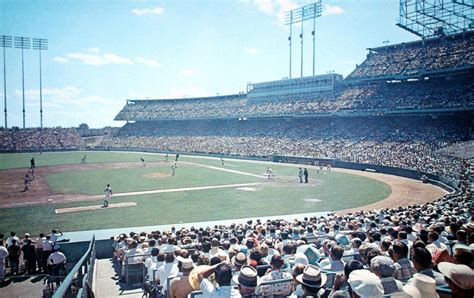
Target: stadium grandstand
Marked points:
402	105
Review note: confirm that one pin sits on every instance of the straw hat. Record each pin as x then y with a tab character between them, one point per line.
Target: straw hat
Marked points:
239	260
461	275
312	277
425	284
247	277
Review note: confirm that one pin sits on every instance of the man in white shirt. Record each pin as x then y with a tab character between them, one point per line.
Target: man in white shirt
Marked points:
3	256
56	262
168	269
55	234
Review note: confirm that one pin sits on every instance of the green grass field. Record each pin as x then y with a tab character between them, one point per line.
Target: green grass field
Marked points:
284	195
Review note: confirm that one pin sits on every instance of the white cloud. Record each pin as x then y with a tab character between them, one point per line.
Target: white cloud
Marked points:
275	8
266	6
144	11
329	9
148	62
93	56
189	72
60	59
253	51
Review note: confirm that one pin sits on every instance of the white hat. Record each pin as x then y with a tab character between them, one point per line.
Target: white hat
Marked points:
411	291
461	275
247	277
425	284
186	263
365	283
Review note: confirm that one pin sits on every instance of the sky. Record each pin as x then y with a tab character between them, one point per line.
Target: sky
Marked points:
103	52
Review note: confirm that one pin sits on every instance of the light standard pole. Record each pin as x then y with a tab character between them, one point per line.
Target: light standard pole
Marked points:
40	44
22	43
5	42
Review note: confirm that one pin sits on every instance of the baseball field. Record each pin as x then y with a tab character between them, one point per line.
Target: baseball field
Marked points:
67	194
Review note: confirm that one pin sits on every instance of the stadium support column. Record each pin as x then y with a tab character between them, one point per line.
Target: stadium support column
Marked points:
40	44
5	42
22	43
301	36
289	39
314	44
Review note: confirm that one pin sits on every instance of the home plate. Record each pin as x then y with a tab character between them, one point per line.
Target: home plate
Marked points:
312	200
246	188
94	207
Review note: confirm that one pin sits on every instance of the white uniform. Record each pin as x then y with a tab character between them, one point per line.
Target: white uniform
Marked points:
269	172
108	195
173	168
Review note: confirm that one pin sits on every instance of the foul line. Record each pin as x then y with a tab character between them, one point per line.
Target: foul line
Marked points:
136	193
225	170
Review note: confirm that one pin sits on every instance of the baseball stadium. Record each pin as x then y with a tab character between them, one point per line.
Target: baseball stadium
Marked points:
317	185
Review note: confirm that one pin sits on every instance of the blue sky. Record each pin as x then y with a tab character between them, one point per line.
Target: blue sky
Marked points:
104	52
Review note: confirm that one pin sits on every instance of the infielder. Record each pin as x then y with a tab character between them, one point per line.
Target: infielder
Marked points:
269	172
108	195
143	162
173	168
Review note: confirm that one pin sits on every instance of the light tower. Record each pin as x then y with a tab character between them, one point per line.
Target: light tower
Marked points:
40	44
300	15
5	42
22	43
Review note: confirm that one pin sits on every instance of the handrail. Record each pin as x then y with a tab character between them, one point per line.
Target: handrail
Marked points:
87	263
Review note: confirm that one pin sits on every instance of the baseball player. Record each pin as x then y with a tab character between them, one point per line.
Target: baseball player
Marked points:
173	168
269	172
300	175
222	161
83	160
108	195
26	182
143	162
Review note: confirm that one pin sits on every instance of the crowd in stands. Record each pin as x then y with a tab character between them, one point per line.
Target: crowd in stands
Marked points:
16	139
366	97
438	54
410	251
404	142
31	255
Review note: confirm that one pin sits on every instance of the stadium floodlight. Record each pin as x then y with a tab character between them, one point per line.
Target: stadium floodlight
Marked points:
5	42
300	15
22	43
431	18
40	44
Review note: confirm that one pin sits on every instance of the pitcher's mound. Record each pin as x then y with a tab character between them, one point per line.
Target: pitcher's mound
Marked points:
155	175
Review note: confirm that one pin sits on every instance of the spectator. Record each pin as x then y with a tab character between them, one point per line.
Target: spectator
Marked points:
180	286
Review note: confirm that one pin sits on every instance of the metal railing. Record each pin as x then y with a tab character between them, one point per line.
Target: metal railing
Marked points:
80	276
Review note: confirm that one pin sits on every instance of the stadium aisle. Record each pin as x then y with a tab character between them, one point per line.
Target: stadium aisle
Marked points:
107	282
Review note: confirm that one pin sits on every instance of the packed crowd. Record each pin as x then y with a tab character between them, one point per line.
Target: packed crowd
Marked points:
418	57
31	255
16	139
408	251
442	92
403	142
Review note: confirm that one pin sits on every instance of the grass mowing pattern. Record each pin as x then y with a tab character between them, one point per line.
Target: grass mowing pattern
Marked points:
334	190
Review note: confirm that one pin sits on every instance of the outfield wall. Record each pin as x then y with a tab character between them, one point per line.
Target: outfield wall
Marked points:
440	181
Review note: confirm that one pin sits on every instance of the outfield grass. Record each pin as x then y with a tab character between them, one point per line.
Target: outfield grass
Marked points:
334	191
